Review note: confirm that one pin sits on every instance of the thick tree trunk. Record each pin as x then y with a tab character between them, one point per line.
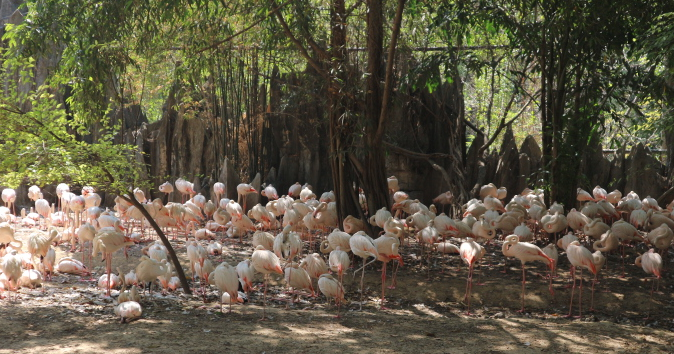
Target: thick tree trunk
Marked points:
340	125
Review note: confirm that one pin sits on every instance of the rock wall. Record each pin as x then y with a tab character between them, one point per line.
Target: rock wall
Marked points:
637	171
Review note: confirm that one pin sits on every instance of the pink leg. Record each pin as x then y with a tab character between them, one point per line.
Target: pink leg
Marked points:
573	288
383	285
524	283
580	296
592	297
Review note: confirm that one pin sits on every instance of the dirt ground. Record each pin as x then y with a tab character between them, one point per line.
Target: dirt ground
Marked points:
425	313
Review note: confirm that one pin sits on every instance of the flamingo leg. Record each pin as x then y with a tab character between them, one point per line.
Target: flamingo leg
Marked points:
469	287
552	267
362	277
623	259
524	283
108	267
383	285
580	295
573	288
592	297
395	272
264	303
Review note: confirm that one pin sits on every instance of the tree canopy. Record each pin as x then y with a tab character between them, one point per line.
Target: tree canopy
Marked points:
572	73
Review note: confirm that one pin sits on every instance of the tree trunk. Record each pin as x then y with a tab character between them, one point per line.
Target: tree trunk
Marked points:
340	124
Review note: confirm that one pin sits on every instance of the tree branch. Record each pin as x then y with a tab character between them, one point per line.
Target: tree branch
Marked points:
352	8
416	155
219	43
300	47
174	258
503	124
388	84
425	157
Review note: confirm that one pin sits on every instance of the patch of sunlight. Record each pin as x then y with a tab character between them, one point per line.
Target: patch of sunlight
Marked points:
422	308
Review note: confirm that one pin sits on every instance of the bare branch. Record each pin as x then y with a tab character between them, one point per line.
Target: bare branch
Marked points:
353	8
298	44
219	43
416	155
503	124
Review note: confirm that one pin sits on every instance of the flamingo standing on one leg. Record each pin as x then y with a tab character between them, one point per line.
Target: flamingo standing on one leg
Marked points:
108	240
526	252
227	281
339	261
218	190
265	262
243	190
387	247
470	252
651	262
363	246
330	287
166	188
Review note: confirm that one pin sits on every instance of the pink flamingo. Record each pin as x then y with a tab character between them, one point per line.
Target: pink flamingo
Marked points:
526	252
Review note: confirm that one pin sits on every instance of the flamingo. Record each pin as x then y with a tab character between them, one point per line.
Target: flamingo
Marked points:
7	236
661	237
339	261
246	273
614	197
42	207
363	246
265	262
330	287
470	252
651	263
39	243
352	224
314	265
526	252
446	198
128	310
166	188
488	190
387	248
580	256
10	265
298	278
227	281
599	193
583	196
48	263
34	193
234	209
185	188
270	192
149	269
294	190
108	240
9	197
243	190
77	206
218	190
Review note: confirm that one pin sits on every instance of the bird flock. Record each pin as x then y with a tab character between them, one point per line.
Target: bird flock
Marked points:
297	237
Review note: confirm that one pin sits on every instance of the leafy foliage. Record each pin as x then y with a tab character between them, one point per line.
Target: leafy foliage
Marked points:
39	142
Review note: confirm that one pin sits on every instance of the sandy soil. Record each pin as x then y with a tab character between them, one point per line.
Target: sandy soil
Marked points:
425	313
